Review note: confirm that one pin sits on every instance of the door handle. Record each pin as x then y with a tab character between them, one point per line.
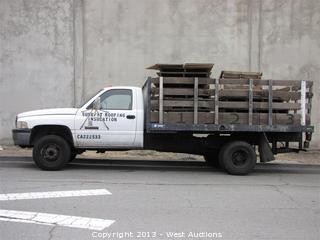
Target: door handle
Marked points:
131	116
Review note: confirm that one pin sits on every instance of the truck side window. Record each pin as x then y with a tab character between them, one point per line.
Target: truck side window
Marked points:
116	99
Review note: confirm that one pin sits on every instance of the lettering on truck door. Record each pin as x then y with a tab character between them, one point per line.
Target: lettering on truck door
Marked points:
113	125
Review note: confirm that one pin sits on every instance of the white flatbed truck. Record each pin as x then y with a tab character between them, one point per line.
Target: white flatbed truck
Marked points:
126	118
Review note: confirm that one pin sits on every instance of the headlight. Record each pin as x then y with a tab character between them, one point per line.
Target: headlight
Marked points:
22	124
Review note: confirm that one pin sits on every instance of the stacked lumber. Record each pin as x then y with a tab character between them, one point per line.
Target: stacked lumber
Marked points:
239	75
183	70
178	83
235	98
179	94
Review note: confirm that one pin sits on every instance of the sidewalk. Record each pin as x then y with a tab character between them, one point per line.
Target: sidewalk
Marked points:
309	157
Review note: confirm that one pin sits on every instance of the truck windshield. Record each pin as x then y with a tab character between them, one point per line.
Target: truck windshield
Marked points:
88	98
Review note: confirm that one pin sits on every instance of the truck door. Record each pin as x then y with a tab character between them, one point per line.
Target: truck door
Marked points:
114	125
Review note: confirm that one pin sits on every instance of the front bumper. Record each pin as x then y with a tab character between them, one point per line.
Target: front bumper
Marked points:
21	137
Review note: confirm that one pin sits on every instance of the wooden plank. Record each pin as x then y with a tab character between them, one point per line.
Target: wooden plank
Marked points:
236	74
183	74
303	103
258	82
232	93
216	102
183	80
308	85
260	105
210	104
161	100
183	92
277	94
195	101
270	106
250	101
229	118
183	103
296	83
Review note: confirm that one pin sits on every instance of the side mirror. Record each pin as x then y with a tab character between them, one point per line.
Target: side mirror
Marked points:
97	104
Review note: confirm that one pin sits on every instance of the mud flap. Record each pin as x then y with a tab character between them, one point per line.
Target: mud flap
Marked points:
265	151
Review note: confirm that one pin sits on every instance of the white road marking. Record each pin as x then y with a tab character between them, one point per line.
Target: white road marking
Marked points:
55	219
55	194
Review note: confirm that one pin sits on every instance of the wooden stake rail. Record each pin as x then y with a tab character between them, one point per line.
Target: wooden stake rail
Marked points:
262	82
182	81
199	100
283	95
210	105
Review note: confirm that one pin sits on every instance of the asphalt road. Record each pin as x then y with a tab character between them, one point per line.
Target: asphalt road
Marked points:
277	201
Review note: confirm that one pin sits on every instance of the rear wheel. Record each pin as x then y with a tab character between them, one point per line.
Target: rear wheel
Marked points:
212	158
238	158
51	152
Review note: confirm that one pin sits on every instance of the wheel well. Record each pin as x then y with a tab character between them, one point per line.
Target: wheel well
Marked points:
42	130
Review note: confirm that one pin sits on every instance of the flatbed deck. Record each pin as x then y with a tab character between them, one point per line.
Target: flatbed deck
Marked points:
206	105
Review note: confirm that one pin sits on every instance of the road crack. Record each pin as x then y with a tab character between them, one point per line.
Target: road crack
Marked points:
287	196
51	232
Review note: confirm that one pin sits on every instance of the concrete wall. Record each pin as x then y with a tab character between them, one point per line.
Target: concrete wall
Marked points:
122	38
36	58
290	46
73	48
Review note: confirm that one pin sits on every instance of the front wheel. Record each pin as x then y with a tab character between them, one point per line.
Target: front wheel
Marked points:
238	158
51	152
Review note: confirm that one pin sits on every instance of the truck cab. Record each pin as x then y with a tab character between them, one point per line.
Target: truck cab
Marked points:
112	119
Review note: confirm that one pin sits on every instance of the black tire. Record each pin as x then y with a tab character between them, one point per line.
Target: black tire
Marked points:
51	152
238	158
212	159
